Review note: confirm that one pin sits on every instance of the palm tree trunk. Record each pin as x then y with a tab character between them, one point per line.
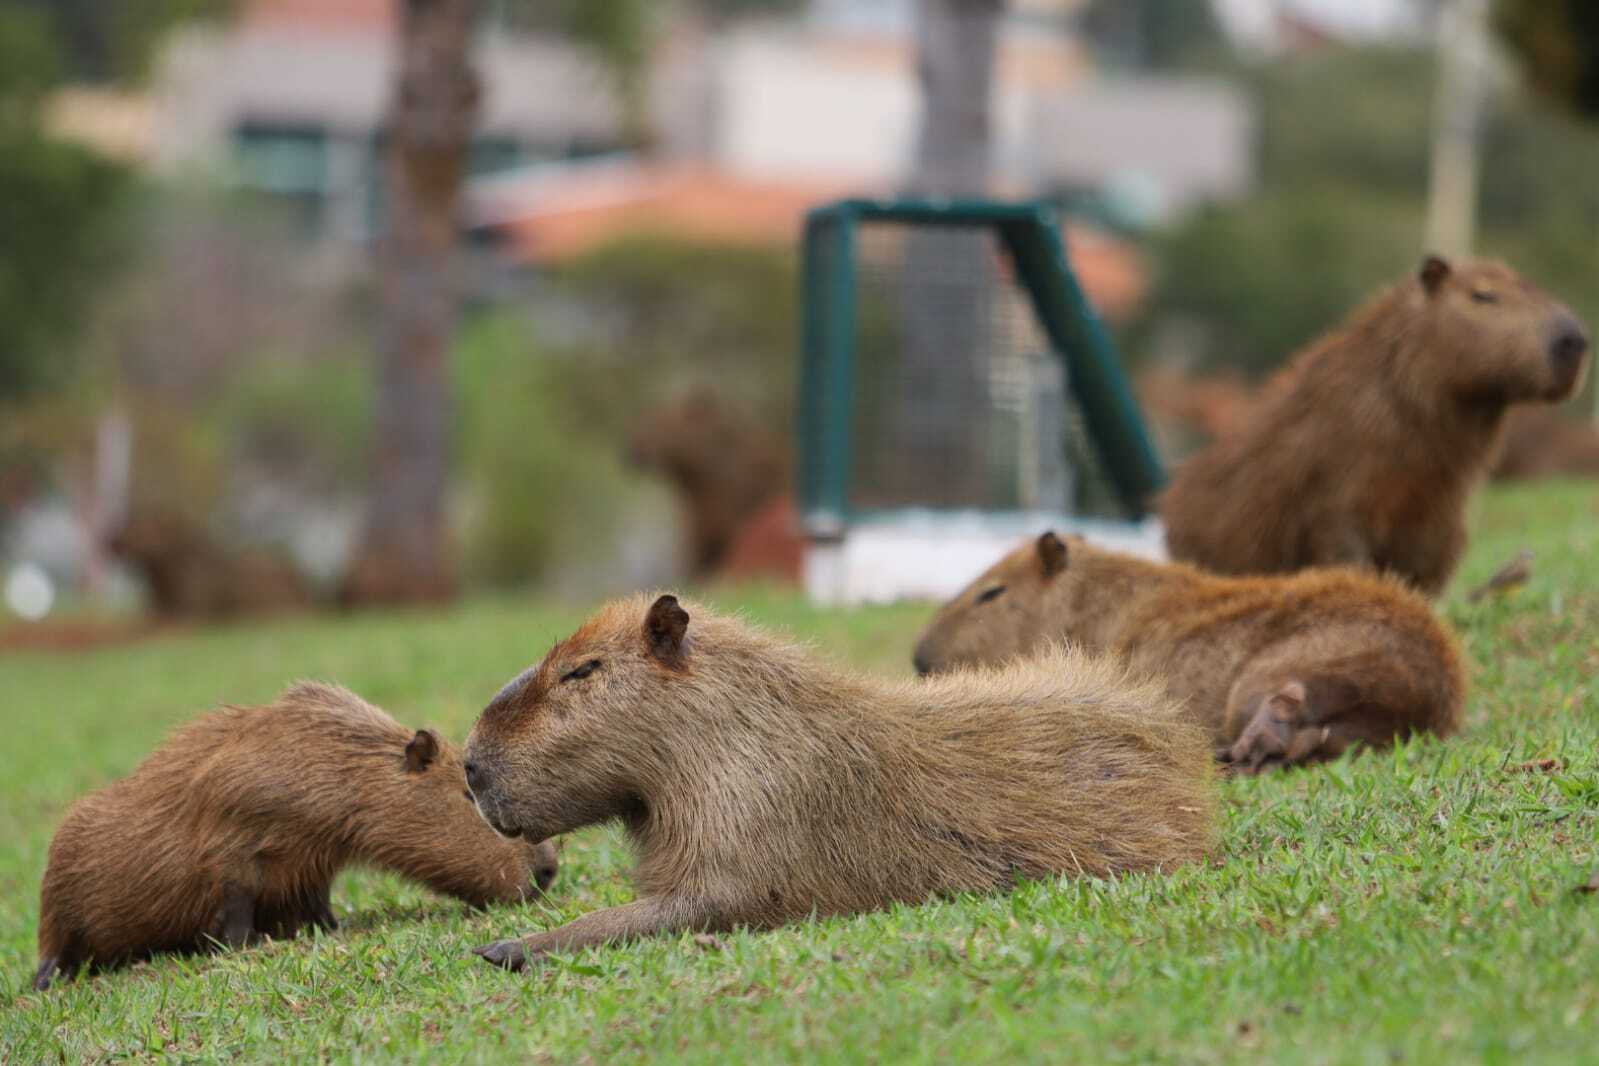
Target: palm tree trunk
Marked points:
939	421
406	553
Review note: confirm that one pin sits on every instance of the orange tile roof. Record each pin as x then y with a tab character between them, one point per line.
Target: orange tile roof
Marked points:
324	14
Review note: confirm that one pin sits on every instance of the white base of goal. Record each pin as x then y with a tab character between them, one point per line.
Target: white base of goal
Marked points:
926	555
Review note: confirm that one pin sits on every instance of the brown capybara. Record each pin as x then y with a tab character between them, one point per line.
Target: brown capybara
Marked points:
236	826
724	465
759	787
190	575
1366	447
1541	442
1281	669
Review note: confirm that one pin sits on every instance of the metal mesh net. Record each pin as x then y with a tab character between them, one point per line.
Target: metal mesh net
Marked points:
958	401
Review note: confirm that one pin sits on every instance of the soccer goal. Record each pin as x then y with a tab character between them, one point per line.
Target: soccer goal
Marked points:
957	394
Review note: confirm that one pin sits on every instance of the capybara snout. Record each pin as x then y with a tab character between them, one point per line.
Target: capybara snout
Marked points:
1568	349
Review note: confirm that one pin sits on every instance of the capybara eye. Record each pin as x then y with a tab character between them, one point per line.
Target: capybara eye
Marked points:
1484	296
580	672
988	595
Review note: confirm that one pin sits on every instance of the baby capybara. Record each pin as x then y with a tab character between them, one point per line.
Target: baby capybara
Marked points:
759	786
1365	448
1280	669
236	826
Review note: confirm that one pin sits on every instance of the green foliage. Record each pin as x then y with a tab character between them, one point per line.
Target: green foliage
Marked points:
58	214
107	40
1418	906
1162	35
546	489
303	419
1341	202
1260	279
669	312
1558	43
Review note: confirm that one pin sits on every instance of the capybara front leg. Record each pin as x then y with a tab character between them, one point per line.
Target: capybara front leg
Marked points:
238	916
53	968
644	917
320	911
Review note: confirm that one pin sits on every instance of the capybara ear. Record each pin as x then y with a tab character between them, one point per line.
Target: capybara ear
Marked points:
1434	269
1051	553
664	627
421	750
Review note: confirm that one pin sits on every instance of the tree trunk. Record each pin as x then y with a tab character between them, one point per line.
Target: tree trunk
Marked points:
406	554
940	424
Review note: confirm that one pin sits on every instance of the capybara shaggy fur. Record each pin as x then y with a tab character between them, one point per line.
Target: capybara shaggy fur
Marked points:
1366	447
724	465
236	826
759	787
1280	669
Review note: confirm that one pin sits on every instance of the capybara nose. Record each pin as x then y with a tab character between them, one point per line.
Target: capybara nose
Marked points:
544	875
476	778
1569	346
919	660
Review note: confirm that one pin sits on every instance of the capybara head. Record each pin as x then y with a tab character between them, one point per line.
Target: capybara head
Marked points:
1002	613
476	866
563	744
1496	334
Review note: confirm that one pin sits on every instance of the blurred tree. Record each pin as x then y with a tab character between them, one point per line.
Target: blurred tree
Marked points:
1558	43
941	365
434	105
58	215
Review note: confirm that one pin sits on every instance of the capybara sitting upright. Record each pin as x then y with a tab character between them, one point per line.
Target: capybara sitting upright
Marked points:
759	787
1365	448
236	826
1280	669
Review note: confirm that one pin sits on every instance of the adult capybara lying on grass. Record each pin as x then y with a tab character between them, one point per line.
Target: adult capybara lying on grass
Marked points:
237	825
1365	448
1279	669
760	787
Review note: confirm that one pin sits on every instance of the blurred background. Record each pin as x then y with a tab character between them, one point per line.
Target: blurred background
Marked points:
318	303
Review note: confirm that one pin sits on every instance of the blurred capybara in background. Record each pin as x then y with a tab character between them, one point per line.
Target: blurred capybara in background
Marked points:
1280	669
1541	442
759	786
236	826
726	469
189	574
1366	447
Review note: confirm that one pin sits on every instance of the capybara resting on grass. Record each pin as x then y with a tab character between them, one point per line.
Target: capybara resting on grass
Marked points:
760	787
1280	669
1365	448
236	826
189	574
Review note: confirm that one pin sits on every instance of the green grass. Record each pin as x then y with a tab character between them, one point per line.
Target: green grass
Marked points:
1419	905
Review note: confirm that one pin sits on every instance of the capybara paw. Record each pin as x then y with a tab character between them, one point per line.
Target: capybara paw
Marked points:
506	954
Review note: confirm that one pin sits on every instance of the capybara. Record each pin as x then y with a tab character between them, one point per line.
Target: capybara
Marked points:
189	574
1366	447
724	465
759	787
1541	442
236	826
1280	669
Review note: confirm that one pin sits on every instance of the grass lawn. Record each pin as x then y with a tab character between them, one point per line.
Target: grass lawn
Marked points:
1420	905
